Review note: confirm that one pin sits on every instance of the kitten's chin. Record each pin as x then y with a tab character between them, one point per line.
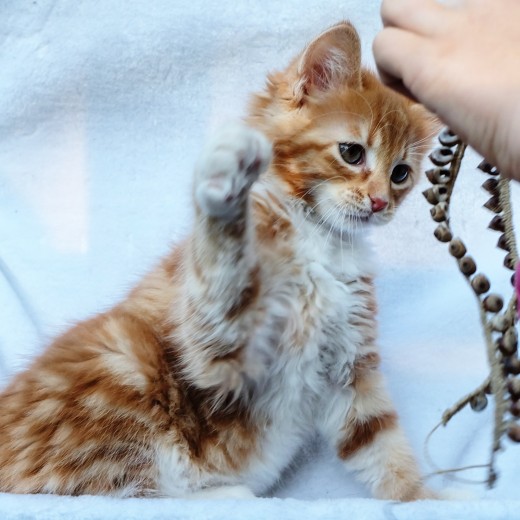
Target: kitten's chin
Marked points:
382	220
356	225
347	226
373	219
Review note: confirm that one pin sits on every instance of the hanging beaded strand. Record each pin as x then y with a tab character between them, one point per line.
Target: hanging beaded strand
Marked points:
498	327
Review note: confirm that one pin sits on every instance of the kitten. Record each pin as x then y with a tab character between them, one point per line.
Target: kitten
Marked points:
258	330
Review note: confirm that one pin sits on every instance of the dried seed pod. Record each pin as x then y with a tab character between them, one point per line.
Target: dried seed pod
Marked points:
493	204
430	196
491	186
513	433
467	265
497	224
448	138
513	279
507	348
442	233
499	345
509	262
430	175
480	284
478	402
488	168
439	212
512	366
514	409
441	156
441	192
493	303
457	248
438	175
488	389
502	243
500	323
513	387
510	340
436	194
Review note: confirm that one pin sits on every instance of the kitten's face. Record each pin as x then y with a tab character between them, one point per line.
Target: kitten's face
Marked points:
347	147
354	159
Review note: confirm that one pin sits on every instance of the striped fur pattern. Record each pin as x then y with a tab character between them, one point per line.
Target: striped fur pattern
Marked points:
258	330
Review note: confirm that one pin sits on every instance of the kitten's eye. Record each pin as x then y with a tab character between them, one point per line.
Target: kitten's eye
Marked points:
352	153
400	173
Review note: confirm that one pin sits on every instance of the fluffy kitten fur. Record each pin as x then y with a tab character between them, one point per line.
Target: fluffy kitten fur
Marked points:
255	332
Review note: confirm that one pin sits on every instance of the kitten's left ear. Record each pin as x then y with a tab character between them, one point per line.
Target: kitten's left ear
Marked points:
331	60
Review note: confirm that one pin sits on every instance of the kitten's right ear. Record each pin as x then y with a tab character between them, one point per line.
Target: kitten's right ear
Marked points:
331	60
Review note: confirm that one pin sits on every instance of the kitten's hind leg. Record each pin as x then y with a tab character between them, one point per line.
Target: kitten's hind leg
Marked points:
369	439
222	276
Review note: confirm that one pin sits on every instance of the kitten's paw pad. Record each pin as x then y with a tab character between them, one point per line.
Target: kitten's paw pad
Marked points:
229	166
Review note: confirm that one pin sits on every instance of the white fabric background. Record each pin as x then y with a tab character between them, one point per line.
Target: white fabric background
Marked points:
103	108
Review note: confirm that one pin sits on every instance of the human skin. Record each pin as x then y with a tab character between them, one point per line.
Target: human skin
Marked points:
461	59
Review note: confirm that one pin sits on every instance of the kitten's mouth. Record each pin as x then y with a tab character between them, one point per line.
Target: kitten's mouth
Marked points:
362	217
341	227
358	216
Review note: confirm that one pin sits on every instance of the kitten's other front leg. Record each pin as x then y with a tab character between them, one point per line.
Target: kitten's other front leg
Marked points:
222	276
369	439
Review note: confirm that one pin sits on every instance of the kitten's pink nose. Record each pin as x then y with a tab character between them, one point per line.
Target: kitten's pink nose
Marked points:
378	204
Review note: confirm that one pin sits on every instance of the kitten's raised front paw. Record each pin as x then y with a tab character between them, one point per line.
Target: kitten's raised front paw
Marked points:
230	164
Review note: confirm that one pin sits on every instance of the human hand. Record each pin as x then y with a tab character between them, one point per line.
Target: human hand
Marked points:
462	61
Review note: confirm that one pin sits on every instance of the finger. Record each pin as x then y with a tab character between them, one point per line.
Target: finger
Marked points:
419	16
400	57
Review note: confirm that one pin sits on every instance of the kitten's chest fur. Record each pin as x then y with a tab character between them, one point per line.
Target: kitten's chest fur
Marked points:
321	290
317	320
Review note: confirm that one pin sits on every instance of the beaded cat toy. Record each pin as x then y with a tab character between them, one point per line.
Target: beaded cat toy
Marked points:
498	323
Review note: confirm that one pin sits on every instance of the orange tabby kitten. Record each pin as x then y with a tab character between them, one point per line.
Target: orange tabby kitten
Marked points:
258	329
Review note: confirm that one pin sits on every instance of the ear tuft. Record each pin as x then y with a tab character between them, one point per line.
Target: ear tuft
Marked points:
331	60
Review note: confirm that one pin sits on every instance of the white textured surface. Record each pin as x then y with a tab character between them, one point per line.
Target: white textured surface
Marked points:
93	508
103	108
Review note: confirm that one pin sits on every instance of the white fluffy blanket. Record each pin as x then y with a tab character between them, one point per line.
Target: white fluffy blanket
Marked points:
103	108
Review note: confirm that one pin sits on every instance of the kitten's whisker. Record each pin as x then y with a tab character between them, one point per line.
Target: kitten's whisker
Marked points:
324	218
320	223
316	186
333	225
420	149
306	216
344	216
420	145
426	138
418	155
